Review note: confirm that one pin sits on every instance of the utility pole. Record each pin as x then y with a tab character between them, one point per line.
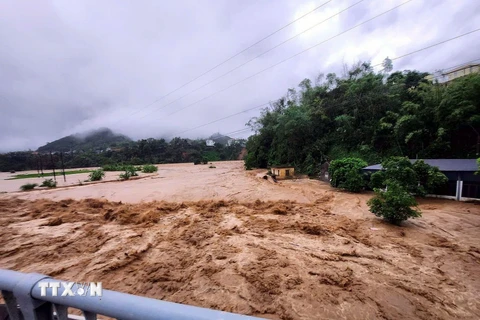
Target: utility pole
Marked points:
63	167
41	164
53	166
38	165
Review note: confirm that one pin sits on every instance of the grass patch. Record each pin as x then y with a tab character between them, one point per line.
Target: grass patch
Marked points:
47	174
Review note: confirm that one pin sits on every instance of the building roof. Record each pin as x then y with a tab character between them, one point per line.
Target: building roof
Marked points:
441	164
282	167
462	67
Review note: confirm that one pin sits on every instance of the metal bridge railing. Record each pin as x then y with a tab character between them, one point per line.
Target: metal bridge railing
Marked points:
23	299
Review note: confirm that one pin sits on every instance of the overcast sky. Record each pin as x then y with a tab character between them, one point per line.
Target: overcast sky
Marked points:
73	66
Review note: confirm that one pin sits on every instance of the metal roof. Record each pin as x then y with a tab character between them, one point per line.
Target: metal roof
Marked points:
442	164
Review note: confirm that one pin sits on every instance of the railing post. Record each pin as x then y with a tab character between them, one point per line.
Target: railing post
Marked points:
31	308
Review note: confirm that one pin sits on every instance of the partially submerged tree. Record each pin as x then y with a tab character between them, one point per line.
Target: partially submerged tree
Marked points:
393	204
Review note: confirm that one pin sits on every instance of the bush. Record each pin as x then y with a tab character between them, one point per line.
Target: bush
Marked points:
197	162
347	174
149	168
28	186
394	204
49	183
132	170
125	176
96	175
120	167
212	167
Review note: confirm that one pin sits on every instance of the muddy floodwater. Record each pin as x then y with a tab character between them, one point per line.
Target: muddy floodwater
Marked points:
225	238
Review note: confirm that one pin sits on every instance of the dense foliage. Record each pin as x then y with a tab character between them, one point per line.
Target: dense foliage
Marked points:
149	168
417	178
347	174
139	152
368	115
394	204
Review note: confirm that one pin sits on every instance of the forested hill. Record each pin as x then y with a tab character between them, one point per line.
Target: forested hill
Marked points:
368	115
96	140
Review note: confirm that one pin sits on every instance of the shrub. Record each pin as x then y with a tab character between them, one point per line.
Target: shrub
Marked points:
149	168
212	167
120	167
125	176
49	183
394	204
112	167
197	162
131	170
96	175
347	174
28	186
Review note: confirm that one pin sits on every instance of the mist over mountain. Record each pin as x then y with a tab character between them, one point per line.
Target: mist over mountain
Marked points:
92	140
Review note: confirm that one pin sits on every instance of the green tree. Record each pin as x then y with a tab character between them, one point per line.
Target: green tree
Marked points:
418	178
347	174
394	204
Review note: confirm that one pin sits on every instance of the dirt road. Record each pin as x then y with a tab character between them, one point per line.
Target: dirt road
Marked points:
322	257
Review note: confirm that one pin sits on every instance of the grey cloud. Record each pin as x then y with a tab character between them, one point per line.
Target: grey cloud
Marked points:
71	66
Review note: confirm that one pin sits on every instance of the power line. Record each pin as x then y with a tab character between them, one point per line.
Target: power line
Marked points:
220	119
291	57
431	46
256	57
238	131
234	56
454	38
259	106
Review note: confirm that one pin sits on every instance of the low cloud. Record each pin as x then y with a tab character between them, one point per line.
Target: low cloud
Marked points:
69	67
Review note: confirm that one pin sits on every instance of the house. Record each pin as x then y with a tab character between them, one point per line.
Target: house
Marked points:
463	183
461	71
283	172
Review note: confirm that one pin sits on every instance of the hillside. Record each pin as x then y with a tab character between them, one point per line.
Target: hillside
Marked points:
219	138
98	139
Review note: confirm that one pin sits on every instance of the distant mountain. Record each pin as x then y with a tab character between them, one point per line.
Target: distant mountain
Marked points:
219	138
94	140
